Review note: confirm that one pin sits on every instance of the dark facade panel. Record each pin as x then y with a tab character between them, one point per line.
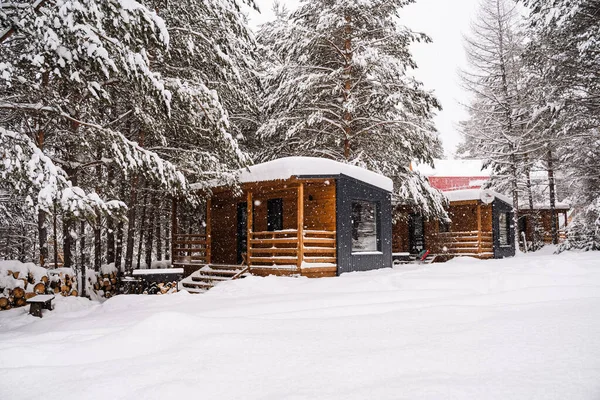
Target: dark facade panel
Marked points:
503	250
349	190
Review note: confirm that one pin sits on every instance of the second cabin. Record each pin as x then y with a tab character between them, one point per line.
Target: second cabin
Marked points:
481	226
292	216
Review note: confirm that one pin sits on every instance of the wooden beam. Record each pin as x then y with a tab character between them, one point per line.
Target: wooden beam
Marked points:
249	227
300	214
208	230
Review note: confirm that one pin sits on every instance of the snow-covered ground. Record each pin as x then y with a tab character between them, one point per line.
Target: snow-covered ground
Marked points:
521	328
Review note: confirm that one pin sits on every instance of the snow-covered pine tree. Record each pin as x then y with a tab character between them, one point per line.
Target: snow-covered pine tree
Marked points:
497	129
565	44
338	86
93	91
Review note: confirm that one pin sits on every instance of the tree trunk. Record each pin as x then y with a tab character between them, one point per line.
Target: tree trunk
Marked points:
97	244
110	240
67	242
515	196
55	233
131	215
533	218
142	229
347	85
83	262
150	235
552	192
119	246
159	221
110	228
168	240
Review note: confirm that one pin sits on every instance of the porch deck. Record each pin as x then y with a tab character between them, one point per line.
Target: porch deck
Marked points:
467	243
312	253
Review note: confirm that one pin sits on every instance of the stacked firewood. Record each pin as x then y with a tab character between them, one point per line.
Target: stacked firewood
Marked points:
160	288
106	285
63	283
25	287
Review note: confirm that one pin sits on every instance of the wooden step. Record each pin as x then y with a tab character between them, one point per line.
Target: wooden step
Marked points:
332	260
209	278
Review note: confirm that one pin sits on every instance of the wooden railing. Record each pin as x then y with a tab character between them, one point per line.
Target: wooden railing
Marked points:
283	249
190	249
466	243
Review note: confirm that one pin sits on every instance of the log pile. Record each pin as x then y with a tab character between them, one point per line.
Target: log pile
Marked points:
160	288
19	288
141	286
64	283
106	285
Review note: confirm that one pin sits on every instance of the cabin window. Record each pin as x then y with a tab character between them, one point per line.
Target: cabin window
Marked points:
274	214
365	230
503	229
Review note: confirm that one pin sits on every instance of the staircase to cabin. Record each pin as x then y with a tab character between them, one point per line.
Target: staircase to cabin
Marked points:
210	275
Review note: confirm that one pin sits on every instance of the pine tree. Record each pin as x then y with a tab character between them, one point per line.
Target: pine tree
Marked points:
337	85
497	129
565	46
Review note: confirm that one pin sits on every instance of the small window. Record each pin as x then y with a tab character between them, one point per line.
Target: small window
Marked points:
365	234
503	229
274	215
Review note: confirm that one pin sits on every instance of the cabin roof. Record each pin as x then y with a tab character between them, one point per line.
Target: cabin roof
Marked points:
314	167
545	206
475	194
454	168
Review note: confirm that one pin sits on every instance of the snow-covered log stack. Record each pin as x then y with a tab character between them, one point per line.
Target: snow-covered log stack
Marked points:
63	281
106	282
19	282
160	288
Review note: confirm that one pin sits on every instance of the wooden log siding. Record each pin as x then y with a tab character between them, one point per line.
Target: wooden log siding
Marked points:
284	252
468	243
308	235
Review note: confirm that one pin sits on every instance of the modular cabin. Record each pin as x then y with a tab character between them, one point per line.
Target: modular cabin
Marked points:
293	216
481	226
543	213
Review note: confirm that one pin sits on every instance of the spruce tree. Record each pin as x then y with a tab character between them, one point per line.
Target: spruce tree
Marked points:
338	85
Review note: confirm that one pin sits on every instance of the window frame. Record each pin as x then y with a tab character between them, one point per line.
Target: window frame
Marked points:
376	209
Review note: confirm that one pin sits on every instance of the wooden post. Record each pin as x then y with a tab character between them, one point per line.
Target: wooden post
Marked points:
249	227
300	226
478	228
173	228
208	230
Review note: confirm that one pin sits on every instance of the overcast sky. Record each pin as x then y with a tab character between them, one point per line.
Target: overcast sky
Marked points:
445	21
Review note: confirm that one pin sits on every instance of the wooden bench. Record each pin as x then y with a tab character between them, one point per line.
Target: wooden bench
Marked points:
39	303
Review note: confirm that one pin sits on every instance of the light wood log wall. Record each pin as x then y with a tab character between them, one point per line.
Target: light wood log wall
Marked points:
319	213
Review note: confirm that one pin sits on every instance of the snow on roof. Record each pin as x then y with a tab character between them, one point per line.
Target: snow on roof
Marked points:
545	206
285	168
475	194
454	168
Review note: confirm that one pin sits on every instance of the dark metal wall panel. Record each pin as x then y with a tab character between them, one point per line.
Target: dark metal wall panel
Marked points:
347	190
499	206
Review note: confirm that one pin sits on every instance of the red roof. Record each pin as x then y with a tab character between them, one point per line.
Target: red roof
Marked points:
448	183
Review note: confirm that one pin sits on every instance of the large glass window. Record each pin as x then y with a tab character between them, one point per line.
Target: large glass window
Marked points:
365	235
503	228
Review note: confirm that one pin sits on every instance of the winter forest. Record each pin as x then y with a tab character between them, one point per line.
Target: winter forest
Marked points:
110	109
